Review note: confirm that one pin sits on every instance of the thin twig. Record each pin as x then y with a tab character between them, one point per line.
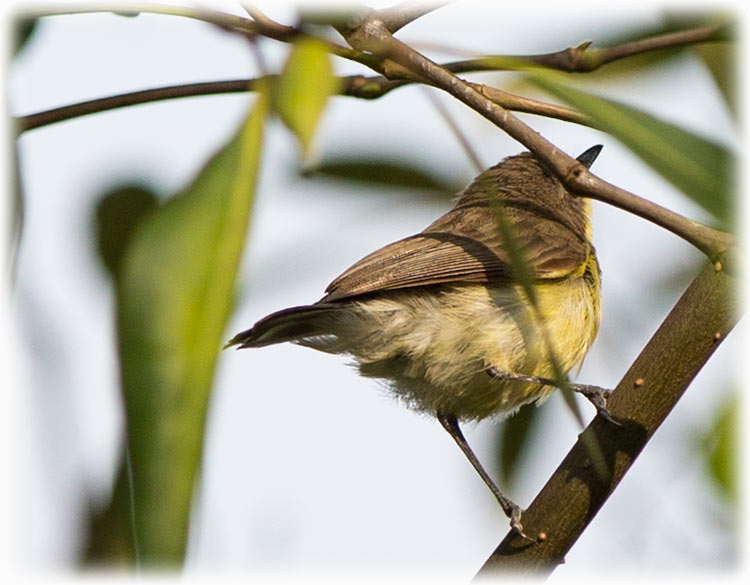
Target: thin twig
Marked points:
215	17
264	21
598	57
457	132
397	17
229	22
517	103
584	58
38	119
353	86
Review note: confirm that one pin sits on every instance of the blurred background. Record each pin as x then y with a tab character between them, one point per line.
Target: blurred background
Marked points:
309	469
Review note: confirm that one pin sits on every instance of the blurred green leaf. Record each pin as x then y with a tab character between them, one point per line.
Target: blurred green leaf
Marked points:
721	449
174	297
118	213
383	173
330	15
719	57
110	543
515	435
302	90
721	61
700	168
23	29
17	212
522	274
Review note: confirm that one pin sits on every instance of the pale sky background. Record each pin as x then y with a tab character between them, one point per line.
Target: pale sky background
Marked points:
308	468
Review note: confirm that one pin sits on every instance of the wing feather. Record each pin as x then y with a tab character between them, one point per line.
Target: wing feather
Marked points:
463	247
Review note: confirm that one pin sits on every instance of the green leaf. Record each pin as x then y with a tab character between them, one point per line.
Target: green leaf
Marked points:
109	541
302	90
22	30
721	449
383	173
174	296
720	56
118	213
515	434
17	210
721	61
700	168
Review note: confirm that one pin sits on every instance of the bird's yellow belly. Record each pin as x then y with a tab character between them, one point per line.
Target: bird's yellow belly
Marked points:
434	350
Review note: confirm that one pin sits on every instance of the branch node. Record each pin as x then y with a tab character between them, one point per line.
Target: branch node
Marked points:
580	59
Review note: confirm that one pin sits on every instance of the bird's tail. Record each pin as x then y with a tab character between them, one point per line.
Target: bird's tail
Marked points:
293	324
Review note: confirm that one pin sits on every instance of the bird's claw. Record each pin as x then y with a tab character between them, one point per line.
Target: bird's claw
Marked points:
515	521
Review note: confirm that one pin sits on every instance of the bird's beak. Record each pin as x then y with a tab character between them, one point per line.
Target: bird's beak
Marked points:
588	157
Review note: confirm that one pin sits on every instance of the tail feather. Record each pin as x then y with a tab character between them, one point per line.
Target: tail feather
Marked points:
291	324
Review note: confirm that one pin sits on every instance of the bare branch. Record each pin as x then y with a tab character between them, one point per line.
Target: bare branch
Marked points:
519	103
36	120
598	57
266	22
455	128
712	242
584	58
371	35
264	27
222	19
353	86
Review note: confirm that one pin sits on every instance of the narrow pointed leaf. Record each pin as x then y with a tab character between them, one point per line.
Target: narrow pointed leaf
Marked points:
301	93
720	56
522	275
721	61
700	168
22	30
384	173
118	214
515	434
721	449
174	296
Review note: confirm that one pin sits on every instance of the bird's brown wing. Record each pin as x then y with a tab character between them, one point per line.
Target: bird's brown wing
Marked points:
472	253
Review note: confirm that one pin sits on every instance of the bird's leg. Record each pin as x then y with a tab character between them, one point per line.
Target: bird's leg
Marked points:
595	394
512	510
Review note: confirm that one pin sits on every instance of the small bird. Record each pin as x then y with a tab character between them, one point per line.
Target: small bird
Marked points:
444	316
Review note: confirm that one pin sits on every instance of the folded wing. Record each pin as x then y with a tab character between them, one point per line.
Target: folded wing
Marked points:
474	253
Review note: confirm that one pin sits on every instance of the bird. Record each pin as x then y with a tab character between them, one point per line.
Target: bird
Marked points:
483	311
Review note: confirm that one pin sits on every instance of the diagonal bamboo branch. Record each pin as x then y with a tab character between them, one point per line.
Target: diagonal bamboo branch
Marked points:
648	392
